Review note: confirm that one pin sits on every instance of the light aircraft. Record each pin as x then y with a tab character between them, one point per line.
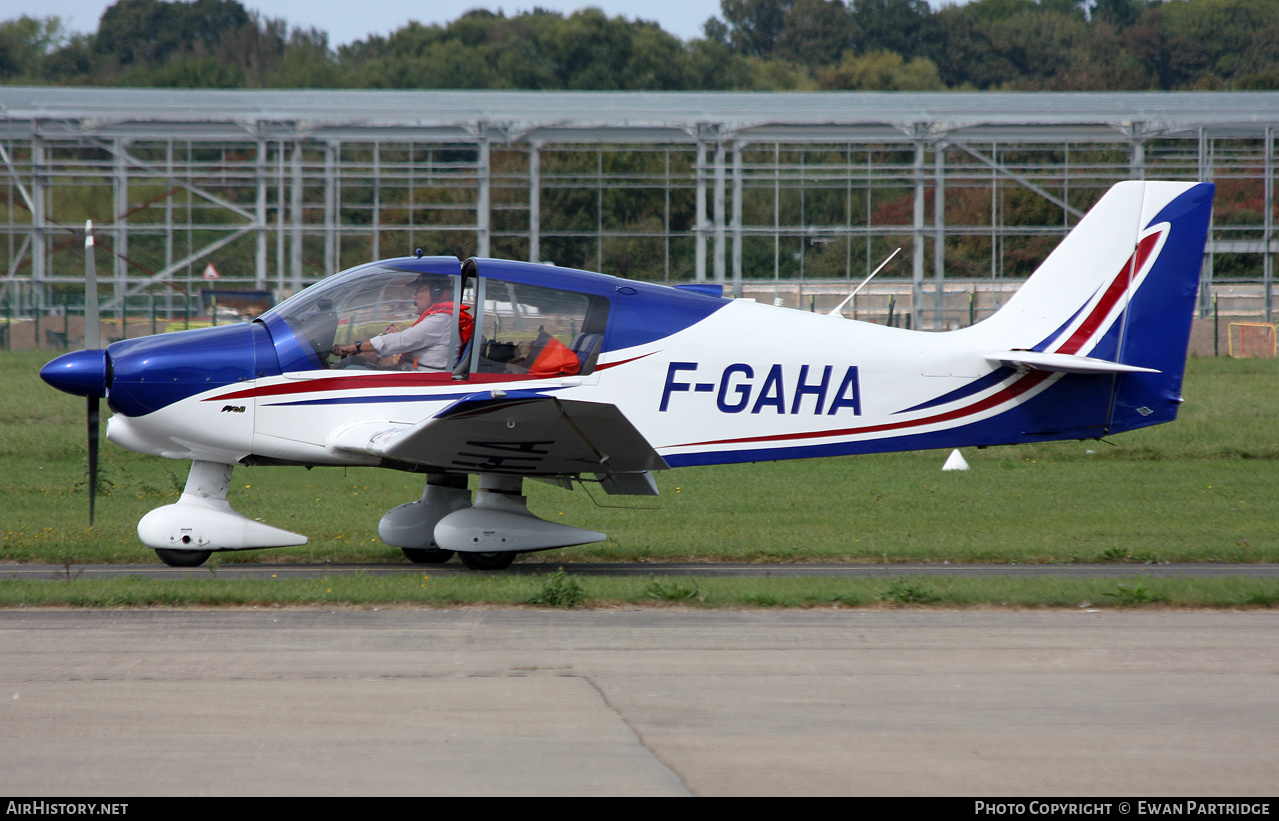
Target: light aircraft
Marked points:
568	375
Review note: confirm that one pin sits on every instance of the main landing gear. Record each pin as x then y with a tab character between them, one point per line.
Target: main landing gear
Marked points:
487	534
475	561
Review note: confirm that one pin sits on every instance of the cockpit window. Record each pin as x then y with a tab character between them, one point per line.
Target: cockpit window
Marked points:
536	331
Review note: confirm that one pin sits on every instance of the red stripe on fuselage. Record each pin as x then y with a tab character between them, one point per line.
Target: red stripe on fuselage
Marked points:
399	379
389	379
606	365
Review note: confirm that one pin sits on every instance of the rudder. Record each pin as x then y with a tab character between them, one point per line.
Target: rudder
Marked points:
1155	328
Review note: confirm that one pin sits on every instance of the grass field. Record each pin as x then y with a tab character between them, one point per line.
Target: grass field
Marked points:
564	589
1202	489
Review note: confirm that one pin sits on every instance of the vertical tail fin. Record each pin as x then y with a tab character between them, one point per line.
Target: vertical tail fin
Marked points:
1115	300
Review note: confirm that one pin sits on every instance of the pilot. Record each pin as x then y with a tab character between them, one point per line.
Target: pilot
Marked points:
424	345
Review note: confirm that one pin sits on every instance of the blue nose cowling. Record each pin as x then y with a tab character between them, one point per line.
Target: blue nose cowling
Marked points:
80	373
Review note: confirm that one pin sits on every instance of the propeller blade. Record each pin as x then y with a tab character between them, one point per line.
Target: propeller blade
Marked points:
92	408
92	340
92	322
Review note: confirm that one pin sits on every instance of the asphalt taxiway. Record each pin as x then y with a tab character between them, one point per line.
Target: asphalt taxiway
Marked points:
637	702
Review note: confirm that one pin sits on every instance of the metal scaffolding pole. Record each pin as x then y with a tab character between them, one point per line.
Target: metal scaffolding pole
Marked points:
260	246
666	217
1205	277
375	218
917	232
331	263
483	193
39	212
169	177
535	203
121	208
737	219
699	216
298	218
939	235
280	232
720	207
1138	153
1268	226
599	210
777	210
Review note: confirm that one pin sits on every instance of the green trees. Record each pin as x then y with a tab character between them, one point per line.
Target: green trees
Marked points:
26	44
201	44
539	50
1235	40
752	44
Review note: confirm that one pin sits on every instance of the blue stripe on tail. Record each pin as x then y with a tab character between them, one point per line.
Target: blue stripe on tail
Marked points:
1158	319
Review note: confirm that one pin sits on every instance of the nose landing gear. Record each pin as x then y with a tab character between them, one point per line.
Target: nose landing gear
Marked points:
185	534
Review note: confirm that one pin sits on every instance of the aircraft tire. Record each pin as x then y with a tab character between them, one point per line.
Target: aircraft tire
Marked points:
427	555
488	561
183	558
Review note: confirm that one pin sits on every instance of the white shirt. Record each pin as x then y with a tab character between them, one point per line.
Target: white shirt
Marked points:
424	346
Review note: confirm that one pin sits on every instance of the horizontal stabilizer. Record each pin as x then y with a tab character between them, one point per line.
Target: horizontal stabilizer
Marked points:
1061	363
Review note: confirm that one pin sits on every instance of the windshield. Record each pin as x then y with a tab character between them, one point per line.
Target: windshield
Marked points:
357	304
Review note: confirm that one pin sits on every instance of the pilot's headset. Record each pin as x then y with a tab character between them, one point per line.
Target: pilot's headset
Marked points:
439	284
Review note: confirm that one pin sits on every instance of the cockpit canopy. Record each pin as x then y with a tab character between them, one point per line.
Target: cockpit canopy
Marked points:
521	329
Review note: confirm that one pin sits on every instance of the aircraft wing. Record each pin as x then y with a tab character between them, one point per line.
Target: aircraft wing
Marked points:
518	432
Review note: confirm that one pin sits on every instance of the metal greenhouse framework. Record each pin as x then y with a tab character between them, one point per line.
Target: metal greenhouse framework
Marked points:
277	189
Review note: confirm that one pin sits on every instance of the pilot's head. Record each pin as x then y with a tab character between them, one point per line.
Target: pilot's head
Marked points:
429	289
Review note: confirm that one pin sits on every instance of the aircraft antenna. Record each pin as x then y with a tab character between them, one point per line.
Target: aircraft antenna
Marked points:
840	307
